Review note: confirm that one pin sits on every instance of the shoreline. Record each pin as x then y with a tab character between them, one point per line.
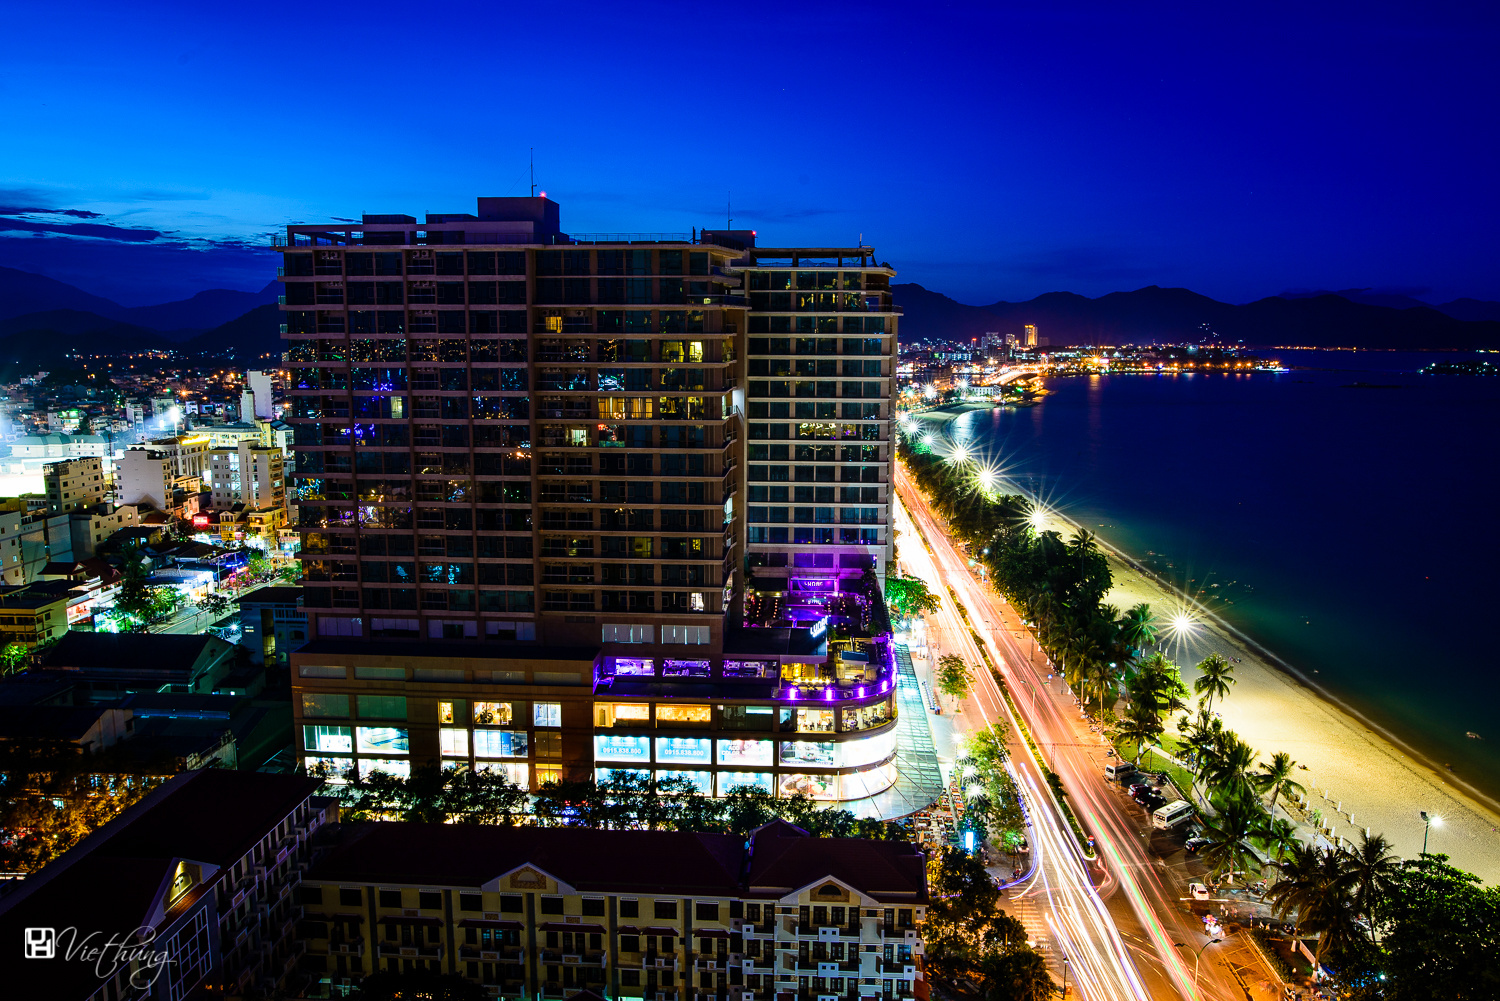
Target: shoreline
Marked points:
1332	756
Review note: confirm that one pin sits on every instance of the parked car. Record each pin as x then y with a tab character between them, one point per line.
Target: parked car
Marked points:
1197	891
1151	801
1193	844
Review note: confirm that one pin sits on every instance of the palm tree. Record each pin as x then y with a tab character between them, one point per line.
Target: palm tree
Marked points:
1228	772
1217	677
1313	884
1281	838
1372	872
1156	682
1139	627
1275	777
1228	849
1139	726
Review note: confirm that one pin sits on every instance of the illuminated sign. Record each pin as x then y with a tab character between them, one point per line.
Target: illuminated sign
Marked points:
819	628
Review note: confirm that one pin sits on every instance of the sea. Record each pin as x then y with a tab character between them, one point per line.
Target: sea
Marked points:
1342	513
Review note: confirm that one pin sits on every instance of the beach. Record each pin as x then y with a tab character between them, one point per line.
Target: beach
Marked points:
1361	769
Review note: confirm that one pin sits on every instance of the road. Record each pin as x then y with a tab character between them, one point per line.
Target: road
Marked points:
1154	958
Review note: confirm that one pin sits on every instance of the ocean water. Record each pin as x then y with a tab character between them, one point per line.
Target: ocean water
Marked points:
1351	530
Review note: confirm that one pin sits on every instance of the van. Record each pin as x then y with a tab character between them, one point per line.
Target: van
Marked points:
1164	818
1119	771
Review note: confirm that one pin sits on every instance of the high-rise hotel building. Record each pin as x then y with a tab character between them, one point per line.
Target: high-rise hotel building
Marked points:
536	470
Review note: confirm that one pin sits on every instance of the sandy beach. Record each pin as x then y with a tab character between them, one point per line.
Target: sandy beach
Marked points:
1362	770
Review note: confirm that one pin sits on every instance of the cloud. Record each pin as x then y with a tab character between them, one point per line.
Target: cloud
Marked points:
785	215
10	210
101	231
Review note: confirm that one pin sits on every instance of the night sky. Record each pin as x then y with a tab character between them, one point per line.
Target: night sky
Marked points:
989	151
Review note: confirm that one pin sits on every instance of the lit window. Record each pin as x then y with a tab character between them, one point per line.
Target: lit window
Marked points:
445	712
492	713
547	714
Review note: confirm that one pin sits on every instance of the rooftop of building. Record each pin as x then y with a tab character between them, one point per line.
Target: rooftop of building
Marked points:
37	594
130	652
287	595
781	858
48	723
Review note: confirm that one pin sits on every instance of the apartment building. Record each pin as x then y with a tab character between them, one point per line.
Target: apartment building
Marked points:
200	875
544	913
249	474
76	484
527	446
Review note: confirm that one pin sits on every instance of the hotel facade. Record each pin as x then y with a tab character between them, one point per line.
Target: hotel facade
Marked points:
574	504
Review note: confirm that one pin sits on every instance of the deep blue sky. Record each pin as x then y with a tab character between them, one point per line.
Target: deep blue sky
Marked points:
987	150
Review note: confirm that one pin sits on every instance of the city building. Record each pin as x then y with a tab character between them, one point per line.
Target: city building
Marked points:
545	913
89	527
272	624
144	476
250	474
1031	340
200	874
256	403
35	613
31	453
75	484
30	539
543	464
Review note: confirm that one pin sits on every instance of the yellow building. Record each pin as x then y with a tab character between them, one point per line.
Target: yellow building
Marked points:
35	613
532	912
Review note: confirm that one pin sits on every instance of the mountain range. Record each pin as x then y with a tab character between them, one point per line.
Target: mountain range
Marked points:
41	319
1154	314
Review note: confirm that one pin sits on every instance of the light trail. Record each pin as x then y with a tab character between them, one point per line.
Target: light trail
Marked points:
1077	921
1084	930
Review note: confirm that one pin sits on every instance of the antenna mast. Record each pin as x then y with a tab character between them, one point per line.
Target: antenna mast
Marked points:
533	172
728	208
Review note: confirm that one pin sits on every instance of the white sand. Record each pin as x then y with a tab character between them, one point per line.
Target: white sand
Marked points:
1362	769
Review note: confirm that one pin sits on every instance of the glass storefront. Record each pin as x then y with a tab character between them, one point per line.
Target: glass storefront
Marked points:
453	742
369	766
677	715
626	714
333	769
381	739
822	754
515	771
866	750
500	743
820	787
730	781
857	785
612	748
701	781
327	738
493	713
606	774
746	752
691	750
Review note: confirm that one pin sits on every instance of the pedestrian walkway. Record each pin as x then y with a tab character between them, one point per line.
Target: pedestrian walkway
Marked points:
919	780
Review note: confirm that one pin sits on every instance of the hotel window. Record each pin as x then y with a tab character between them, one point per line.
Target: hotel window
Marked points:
332	739
500	743
676	715
314	705
633	714
382	707
548	744
547	714
493	713
453	742
381	739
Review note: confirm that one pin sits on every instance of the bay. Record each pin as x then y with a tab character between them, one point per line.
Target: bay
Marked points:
1341	513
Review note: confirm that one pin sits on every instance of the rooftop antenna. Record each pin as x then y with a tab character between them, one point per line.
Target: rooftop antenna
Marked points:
533	172
728	207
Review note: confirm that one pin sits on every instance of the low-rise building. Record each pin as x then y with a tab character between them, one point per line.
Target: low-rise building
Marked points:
33	614
89	527
272	624
249	474
75	484
533	912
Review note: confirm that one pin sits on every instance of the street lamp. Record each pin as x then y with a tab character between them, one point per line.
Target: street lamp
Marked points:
1198	957
1428	819
1065	975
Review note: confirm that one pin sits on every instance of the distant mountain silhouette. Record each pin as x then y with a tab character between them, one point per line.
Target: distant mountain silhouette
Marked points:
23	293
1174	314
204	311
1472	310
256	333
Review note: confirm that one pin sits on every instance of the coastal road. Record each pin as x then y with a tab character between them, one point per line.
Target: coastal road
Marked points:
1166	934
1064	914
